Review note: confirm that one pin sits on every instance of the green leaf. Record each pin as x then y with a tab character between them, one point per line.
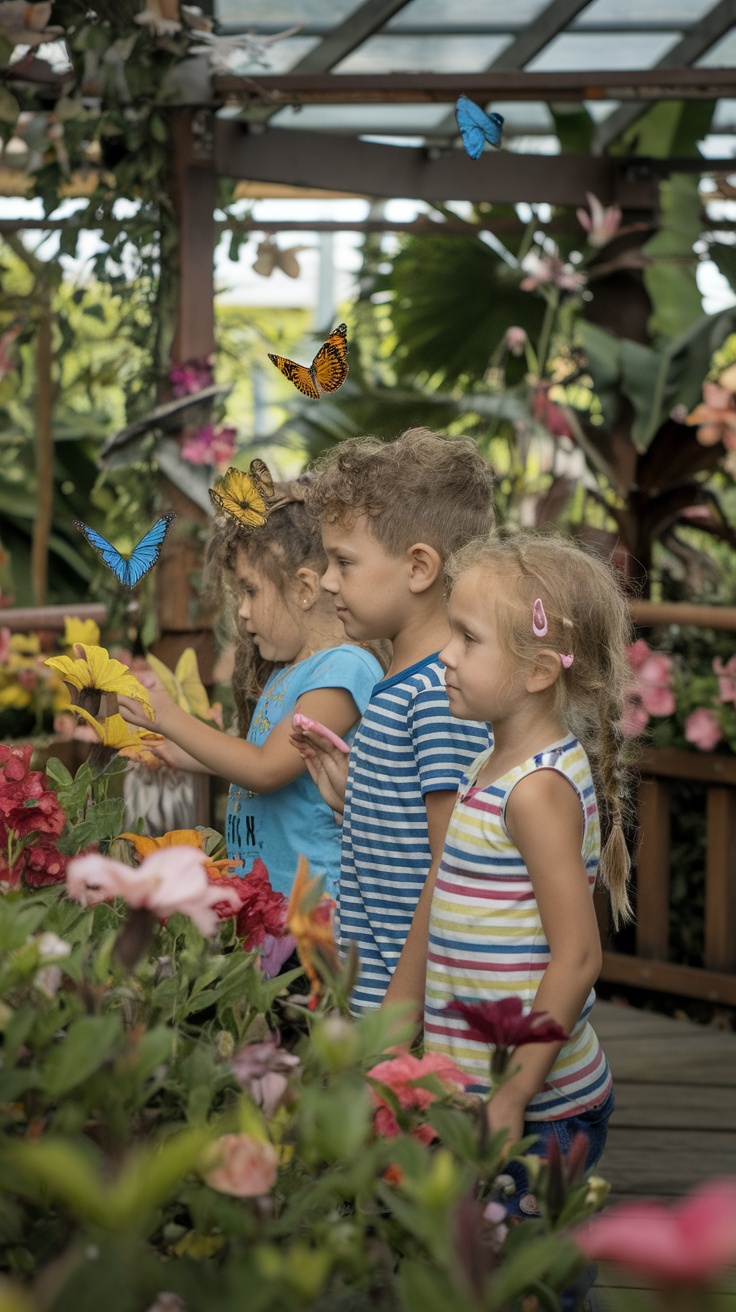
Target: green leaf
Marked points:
425	1288
86	1046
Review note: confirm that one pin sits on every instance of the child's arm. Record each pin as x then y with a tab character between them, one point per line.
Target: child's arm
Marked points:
260	769
408	980
177	759
544	819
326	763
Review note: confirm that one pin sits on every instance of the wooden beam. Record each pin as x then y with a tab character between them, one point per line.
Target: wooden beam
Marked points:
343	39
194	195
491	84
700	37
323	160
683	612
690	981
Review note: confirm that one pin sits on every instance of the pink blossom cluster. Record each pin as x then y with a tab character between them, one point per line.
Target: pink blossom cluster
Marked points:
30	819
651	690
191	376
210	446
402	1076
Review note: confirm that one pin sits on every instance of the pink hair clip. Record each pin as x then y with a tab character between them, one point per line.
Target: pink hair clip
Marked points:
541	627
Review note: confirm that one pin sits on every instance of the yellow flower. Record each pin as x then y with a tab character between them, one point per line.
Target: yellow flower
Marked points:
15	698
93	668
181	838
81	631
309	919
29	644
115	733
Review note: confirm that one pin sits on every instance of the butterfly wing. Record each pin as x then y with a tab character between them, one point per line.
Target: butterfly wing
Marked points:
261	475
296	374
187	675
477	127
164	675
131	569
330	364
239	496
110	554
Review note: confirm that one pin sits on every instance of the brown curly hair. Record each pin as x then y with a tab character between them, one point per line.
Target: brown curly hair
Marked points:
421	487
588	617
289	539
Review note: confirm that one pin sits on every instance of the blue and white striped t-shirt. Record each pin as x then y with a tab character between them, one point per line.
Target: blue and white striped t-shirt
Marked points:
407	745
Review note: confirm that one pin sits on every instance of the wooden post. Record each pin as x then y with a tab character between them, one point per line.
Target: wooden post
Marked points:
653	870
720	880
194	196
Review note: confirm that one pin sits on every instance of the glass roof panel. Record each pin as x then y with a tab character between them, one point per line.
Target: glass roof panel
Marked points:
722	54
638	13
472	13
278	58
412	120
435	54
724	118
576	50
256	14
524	115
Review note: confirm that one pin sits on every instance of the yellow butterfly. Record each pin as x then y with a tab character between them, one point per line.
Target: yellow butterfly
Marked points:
328	370
244	496
184	684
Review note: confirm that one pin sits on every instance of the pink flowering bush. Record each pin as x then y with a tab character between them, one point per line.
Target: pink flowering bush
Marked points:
685	697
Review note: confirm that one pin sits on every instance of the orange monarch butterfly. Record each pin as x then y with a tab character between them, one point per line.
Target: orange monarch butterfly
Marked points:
328	370
244	496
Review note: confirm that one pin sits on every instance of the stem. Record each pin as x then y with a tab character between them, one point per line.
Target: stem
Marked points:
550	314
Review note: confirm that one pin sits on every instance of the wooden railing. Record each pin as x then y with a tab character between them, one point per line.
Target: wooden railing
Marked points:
649	967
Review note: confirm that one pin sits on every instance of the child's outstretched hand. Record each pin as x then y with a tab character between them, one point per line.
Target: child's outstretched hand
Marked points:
132	711
327	764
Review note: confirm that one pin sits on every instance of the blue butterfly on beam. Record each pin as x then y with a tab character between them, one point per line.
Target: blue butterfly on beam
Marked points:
477	127
129	570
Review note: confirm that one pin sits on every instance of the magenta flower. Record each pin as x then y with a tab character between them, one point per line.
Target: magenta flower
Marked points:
547	413
702	729
191	376
688	1243
504	1025
602	223
210	446
726	675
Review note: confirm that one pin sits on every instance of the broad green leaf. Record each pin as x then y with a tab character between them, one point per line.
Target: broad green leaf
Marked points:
87	1044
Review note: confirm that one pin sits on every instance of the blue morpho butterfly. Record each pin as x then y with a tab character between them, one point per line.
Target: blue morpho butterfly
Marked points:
477	127
129	570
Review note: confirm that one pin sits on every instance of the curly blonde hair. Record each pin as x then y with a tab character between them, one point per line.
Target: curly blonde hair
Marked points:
588	617
421	487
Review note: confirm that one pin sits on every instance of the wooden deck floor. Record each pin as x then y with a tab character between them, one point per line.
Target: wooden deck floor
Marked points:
675	1119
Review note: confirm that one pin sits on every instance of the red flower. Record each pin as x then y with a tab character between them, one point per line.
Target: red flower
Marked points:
263	910
43	864
29	806
15	761
504	1025
236	883
550	415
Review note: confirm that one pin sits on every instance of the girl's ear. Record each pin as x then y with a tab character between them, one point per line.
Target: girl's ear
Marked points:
308	587
545	672
425	566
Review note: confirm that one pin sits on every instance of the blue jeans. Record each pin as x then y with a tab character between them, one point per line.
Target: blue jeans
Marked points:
594	1124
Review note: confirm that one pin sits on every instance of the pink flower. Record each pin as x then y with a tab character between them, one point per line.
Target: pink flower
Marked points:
653	686
241	1165
702	729
687	1243
635	718
262	1069
191	376
602	223
726	678
545	269
516	340
715	416
210	446
168	880
402	1075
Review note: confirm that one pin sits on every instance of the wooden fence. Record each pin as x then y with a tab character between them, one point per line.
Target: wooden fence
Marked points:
648	966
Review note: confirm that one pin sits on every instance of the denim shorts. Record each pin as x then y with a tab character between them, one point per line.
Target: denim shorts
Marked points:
593	1123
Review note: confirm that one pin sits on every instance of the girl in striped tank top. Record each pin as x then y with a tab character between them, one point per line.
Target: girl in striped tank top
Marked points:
539	629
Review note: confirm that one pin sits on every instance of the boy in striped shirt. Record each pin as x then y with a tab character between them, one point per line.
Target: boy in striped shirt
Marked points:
391	512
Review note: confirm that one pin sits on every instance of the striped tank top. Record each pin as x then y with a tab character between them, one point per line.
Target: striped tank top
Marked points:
486	939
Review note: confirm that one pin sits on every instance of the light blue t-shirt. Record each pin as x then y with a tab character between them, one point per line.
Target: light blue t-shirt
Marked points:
407	745
278	826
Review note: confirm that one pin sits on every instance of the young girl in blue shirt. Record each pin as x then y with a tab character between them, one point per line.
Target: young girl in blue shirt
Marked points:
291	655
